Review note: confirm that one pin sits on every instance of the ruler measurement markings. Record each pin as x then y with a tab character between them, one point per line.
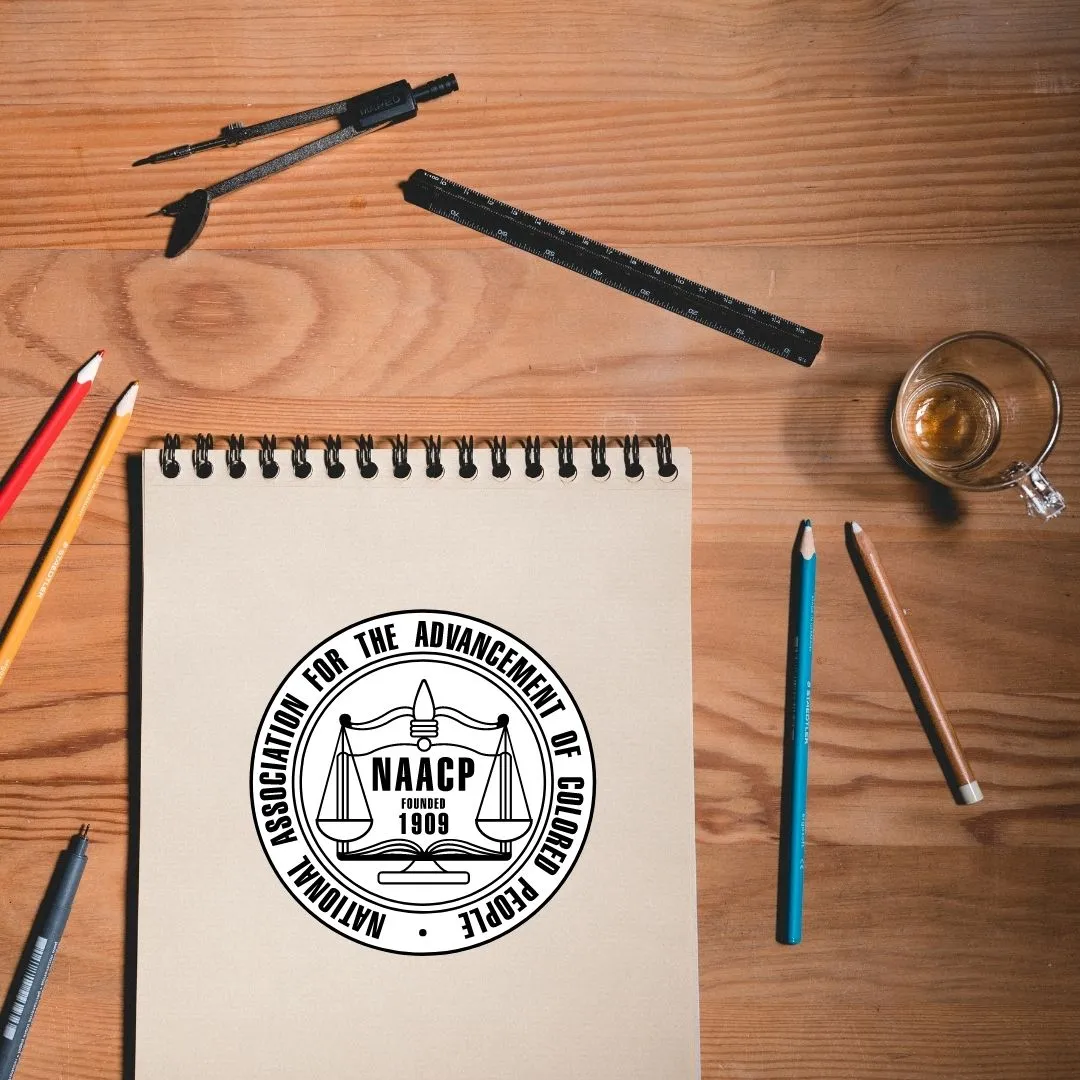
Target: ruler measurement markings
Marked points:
694	314
599	262
639	267
690	289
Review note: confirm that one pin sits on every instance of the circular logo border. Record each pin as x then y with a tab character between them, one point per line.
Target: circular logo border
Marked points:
588	813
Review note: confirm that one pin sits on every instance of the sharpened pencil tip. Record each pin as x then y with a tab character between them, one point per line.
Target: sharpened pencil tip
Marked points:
89	370
84	831
855	526
127	403
806	541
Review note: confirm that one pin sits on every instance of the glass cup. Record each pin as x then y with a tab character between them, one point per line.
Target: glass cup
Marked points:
980	412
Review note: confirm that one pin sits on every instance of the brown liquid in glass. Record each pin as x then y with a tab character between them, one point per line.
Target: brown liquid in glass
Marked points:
952	421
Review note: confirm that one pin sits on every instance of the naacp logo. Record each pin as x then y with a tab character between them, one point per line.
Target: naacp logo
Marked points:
422	782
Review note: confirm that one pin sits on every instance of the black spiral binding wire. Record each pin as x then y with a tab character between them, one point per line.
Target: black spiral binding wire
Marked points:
665	466
332	457
433	467
301	467
433	463
200	456
399	455
234	457
499	468
598	452
631	452
466	464
368	469
567	469
170	467
267	448
533	469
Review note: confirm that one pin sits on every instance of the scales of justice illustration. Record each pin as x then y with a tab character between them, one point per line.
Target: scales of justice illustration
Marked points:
411	731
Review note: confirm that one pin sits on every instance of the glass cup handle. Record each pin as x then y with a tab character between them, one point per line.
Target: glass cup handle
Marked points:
1043	500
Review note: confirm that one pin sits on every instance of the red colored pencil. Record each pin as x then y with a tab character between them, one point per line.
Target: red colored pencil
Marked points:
55	420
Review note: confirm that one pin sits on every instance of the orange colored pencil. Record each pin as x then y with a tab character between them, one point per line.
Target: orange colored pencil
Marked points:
967	786
74	511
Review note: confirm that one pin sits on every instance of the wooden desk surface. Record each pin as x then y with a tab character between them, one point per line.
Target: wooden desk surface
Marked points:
886	173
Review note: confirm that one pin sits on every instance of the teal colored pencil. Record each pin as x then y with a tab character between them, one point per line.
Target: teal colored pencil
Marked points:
794	842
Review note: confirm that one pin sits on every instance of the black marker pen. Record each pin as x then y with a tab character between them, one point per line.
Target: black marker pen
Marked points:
33	969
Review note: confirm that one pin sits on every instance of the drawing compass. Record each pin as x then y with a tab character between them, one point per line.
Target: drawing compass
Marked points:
390	104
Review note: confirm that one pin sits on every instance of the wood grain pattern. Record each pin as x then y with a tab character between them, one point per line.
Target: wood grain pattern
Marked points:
885	172
154	53
319	326
781	1042
963	167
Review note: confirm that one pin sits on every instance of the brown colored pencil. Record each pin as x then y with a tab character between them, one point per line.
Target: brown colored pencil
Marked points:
968	789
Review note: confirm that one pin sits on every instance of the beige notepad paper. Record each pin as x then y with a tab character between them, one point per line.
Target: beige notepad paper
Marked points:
416	775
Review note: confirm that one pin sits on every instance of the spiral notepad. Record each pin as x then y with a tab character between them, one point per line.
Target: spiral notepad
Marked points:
416	759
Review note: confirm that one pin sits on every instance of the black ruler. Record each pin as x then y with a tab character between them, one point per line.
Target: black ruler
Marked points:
613	267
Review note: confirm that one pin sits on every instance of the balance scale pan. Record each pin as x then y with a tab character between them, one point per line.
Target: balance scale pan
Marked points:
344	830
503	829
